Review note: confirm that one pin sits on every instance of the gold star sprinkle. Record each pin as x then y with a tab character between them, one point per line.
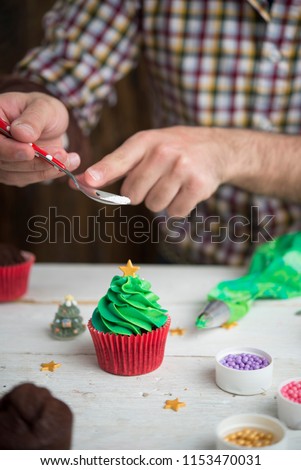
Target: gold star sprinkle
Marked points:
174	404
129	269
50	366
228	326
178	331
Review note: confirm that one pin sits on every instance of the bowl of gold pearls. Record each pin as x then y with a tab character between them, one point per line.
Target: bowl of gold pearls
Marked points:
245	431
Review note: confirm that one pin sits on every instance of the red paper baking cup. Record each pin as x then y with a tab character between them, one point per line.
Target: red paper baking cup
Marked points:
130	355
14	278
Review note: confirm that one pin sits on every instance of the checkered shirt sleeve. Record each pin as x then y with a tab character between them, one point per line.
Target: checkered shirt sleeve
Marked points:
88	46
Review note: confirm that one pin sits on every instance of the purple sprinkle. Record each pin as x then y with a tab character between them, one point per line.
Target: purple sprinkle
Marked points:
244	361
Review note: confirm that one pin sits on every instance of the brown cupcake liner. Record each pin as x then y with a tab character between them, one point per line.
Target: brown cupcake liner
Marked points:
14	278
130	355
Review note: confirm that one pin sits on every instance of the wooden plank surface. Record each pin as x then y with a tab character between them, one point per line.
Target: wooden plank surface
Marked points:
114	412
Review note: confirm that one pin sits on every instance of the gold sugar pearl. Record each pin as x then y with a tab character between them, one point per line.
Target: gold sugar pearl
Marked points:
248	437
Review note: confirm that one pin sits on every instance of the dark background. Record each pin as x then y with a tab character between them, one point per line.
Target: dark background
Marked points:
20	30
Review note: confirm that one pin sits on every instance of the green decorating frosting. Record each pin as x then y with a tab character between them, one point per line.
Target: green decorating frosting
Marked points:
128	308
274	273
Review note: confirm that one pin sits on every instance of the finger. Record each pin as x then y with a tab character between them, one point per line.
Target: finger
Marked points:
162	194
117	164
140	181
21	179
185	200
12	151
39	117
71	161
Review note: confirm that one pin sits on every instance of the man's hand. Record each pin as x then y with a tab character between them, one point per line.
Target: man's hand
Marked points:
177	167
38	118
172	168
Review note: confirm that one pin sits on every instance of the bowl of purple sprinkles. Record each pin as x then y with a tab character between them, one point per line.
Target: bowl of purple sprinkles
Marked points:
243	370
245	361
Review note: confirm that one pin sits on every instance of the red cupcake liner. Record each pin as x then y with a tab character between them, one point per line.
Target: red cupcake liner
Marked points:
14	278
130	355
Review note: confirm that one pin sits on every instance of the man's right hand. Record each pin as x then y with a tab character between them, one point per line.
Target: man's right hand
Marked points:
38	118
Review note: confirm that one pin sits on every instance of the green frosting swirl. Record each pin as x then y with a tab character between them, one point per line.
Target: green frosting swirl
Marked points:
128	308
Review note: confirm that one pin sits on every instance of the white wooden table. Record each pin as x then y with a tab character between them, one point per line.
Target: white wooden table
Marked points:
113	412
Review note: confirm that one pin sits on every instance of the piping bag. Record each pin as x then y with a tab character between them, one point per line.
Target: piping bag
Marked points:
274	273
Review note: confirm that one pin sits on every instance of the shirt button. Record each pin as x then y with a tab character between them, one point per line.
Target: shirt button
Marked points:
275	55
263	123
284	65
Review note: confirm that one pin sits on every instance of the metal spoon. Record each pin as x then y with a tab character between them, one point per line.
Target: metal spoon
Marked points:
92	193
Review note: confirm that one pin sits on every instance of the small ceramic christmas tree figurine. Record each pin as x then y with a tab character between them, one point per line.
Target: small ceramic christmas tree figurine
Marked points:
67	323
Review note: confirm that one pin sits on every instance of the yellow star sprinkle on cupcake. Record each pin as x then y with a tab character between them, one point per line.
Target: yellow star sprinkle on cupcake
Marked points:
174	404
129	269
50	366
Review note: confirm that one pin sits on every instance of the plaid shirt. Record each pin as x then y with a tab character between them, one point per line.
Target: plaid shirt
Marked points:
222	63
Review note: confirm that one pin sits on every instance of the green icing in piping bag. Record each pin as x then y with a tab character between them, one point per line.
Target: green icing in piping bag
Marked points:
274	273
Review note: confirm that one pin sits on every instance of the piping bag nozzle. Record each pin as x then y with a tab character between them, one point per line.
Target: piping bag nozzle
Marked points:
215	314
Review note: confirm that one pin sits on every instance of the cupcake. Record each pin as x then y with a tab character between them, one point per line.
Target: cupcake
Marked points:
15	267
31	418
128	327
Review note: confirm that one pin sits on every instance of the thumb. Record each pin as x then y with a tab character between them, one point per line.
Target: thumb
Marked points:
37	120
29	126
23	130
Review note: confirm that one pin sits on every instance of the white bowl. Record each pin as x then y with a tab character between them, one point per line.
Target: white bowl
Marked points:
243	382
257	421
289	411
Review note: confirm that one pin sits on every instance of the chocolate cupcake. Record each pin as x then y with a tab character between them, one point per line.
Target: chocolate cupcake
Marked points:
10	255
15	267
32	419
